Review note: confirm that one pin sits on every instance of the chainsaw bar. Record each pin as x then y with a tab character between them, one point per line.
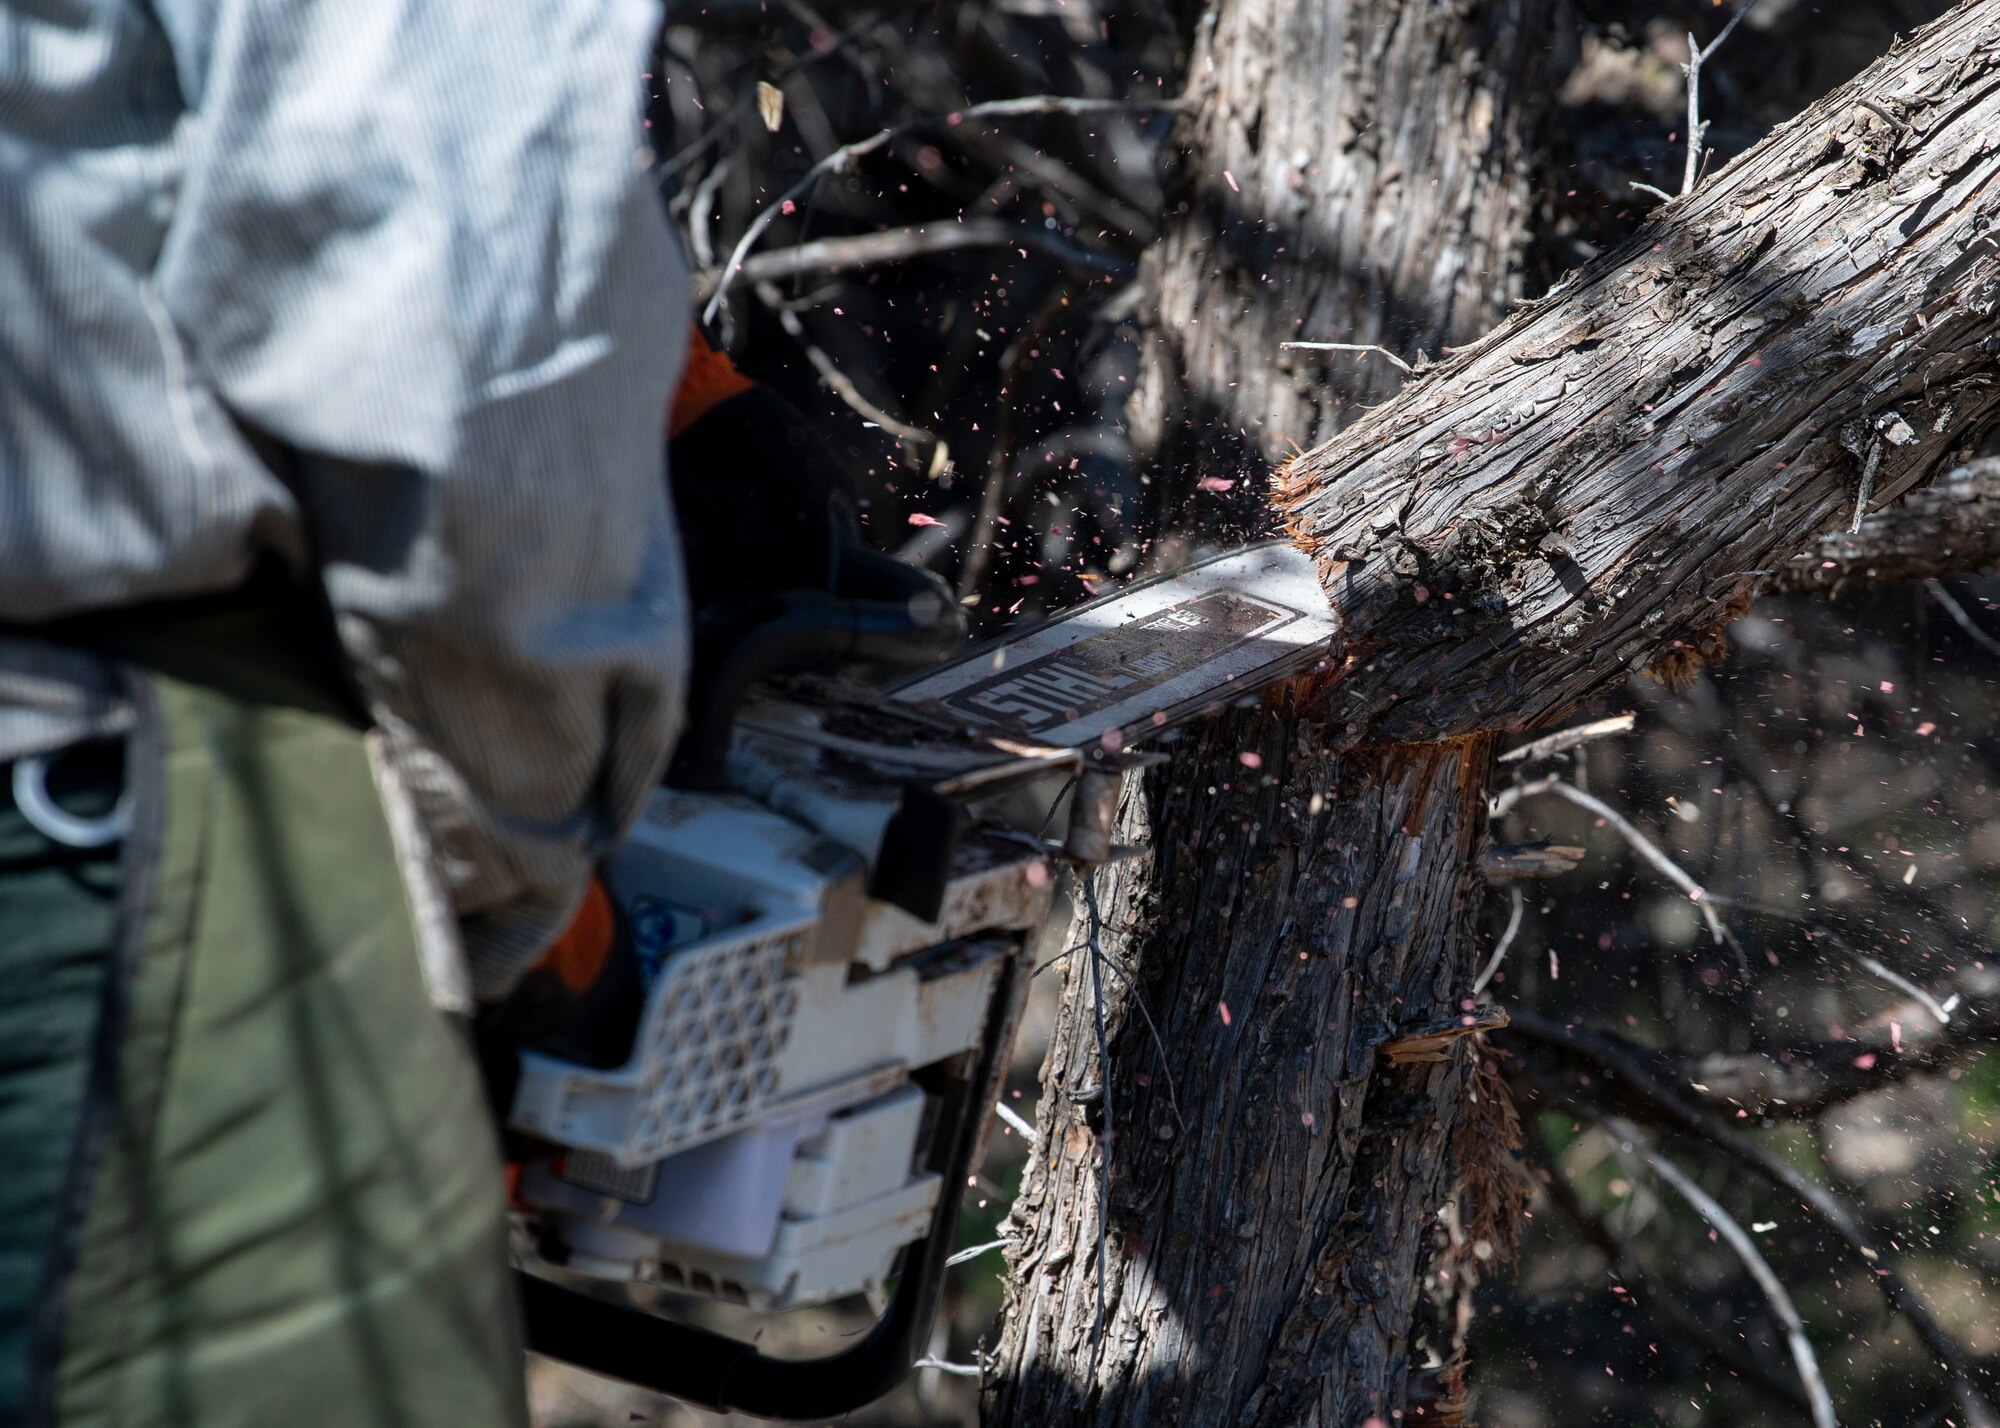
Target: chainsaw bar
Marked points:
1112	671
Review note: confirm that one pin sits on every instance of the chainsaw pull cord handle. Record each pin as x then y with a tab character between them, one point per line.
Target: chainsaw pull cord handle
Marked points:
883	612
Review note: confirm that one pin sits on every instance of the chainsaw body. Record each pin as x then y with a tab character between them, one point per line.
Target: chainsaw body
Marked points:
833	922
763	1143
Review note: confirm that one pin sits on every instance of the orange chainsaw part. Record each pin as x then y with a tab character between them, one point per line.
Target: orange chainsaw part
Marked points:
708	380
579	955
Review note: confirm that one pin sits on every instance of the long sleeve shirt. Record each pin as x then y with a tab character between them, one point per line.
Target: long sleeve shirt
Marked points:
411	244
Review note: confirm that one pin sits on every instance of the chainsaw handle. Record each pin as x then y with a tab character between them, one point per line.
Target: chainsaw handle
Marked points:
884	612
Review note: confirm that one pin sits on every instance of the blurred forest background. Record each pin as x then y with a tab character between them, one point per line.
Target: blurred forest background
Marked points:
956	308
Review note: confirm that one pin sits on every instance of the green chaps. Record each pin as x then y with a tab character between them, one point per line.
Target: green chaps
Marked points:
247	1176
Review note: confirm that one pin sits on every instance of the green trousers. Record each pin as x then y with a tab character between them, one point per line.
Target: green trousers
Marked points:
246	1172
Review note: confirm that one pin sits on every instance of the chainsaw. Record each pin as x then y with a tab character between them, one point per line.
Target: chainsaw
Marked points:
833	906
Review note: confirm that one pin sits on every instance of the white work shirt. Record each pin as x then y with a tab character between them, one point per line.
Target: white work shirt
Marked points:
412	243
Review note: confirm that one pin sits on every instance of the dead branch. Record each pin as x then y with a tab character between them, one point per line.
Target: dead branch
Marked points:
1960	618
1800	1080
899	245
1359	347
1642	845
837	381
1618	464
1650	1294
1697	127
1563	740
846	154
1746	1250
1500	948
1948	528
1626	1085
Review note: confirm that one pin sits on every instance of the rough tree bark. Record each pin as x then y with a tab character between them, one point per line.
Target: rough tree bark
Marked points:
1352	171
1357	172
1599	484
1617	468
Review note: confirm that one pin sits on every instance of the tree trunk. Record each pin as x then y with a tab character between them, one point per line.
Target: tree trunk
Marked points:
1275	1183
1297	909
1601	483
1352	171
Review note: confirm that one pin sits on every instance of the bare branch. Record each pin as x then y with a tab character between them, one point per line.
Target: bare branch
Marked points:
966	1256
899	245
1723	1349
945	1366
1503	802
1376	348
1640	843
1564	740
1902	983
846	154
1018	1122
837	381
1506	941
1959	617
1803	1078
1638	1092
1739	1240
1697	130
1727	30
1498	862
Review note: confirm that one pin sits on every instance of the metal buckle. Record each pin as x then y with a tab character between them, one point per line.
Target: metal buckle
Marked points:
56	823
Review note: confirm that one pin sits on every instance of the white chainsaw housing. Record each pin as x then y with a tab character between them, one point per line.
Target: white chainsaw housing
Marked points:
762	1142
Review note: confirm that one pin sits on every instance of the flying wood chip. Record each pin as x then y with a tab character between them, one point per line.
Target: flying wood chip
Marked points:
770	105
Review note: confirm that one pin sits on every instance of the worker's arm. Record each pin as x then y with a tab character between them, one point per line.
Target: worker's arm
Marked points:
415	244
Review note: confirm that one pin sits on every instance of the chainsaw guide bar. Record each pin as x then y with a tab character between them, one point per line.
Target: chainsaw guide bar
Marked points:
1115	670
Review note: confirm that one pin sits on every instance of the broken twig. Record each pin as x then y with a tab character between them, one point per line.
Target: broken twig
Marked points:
1376	348
1564	740
1506	941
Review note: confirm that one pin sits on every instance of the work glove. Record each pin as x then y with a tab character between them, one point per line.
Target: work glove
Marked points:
763	506
580	1002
